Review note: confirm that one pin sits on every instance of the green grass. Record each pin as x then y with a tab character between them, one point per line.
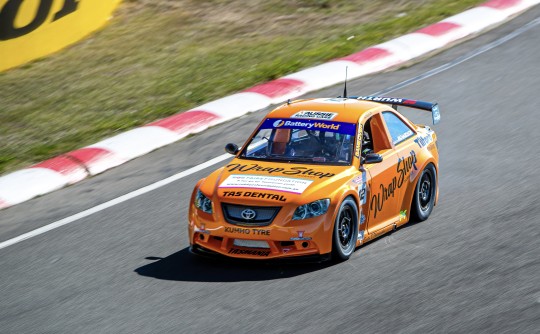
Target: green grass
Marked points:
159	57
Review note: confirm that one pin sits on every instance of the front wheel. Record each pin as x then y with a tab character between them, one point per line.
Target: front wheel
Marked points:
345	230
424	194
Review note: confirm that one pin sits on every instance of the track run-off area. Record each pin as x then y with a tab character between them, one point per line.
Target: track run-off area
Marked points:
120	264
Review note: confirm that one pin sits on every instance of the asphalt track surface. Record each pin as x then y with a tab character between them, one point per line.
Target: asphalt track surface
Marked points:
473	267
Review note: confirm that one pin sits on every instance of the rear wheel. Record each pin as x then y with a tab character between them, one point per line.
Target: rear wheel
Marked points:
345	230
424	194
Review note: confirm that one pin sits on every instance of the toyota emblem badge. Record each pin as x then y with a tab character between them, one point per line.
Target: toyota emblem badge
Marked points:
248	214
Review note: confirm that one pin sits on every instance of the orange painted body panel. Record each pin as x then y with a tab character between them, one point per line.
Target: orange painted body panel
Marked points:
383	191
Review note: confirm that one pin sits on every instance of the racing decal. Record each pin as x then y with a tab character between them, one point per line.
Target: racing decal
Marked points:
340	127
255	194
424	139
403	136
363	189
403	215
361	235
359	138
249	252
314	115
278	183
361	180
240	230
436	114
404	166
360	228
202	229
306	125
300	237
357	179
304	171
414	173
386	99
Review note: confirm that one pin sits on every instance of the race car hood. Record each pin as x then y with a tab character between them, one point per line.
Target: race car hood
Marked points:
267	183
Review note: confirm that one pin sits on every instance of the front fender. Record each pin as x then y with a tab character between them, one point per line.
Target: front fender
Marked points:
337	198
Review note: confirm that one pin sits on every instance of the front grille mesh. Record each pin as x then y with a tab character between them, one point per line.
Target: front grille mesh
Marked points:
264	214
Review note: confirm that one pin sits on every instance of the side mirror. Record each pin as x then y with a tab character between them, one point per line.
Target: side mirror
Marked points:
372	158
231	148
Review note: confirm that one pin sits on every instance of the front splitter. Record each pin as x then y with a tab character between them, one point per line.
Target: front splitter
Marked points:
209	254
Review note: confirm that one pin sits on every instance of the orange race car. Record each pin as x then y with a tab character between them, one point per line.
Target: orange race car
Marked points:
318	178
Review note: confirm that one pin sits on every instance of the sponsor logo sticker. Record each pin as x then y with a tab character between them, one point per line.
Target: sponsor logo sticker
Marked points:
279	123
202	229
385	99
300	237
359	138
277	183
361	180
303	171
310	124
403	215
403	136
405	167
314	115
255	194
241	230
436	114
238	251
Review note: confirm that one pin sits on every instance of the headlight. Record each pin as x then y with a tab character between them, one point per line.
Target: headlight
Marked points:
312	209
202	202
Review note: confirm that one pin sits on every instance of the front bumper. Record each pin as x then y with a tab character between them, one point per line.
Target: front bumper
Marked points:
306	238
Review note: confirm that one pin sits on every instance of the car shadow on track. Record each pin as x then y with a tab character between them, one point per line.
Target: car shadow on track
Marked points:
186	267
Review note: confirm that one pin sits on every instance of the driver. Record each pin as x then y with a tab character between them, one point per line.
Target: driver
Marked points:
328	143
367	145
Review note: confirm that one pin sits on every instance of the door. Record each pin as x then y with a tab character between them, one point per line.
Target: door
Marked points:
402	136
382	198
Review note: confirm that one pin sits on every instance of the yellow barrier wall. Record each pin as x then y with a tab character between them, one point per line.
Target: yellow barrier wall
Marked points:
31	29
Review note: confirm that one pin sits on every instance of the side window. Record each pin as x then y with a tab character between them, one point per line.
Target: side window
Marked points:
374	137
398	130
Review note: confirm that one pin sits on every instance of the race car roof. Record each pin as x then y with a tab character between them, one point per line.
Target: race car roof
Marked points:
335	109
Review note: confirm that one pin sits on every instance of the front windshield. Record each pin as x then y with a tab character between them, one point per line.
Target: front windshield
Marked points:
302	141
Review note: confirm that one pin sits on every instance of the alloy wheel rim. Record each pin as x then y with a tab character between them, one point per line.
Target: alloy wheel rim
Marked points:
425	192
345	227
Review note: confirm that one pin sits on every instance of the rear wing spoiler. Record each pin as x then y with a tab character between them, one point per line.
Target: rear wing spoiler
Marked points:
395	102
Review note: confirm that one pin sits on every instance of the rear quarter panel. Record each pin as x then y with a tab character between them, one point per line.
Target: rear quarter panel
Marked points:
424	147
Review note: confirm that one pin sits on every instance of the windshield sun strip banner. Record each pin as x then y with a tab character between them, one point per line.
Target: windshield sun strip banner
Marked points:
321	125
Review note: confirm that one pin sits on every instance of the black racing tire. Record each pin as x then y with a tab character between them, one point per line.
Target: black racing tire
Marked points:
424	194
345	230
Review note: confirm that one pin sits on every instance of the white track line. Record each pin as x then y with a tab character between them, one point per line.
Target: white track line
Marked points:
114	202
214	161
462	59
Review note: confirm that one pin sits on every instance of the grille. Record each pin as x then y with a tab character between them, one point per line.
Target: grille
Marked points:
264	215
